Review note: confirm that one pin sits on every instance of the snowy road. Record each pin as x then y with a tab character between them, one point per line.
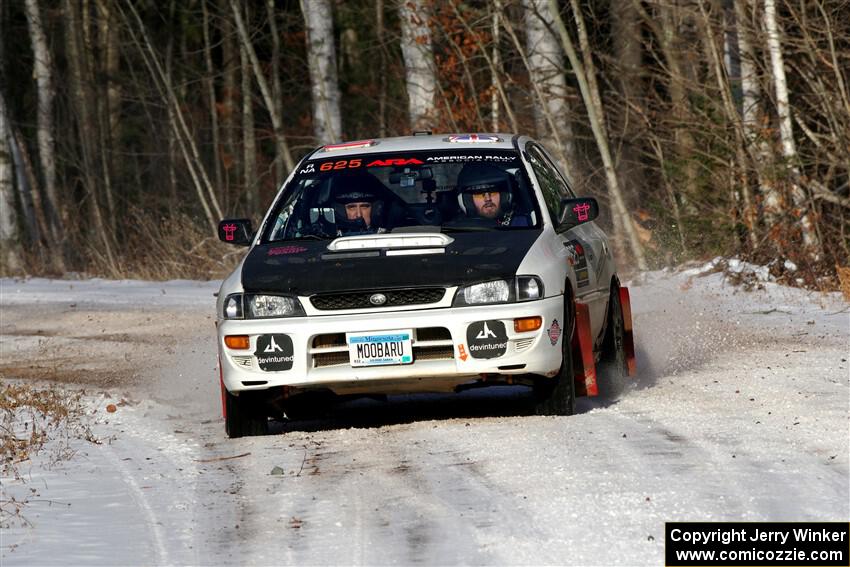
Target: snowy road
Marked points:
740	412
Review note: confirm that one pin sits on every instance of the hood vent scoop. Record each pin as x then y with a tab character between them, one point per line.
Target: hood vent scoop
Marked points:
383	241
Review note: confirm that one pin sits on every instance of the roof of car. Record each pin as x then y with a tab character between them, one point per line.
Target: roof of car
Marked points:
469	141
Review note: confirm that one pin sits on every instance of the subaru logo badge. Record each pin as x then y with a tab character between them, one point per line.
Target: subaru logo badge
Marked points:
377	299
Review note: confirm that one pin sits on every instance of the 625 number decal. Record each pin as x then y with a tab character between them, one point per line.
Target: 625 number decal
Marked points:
341	164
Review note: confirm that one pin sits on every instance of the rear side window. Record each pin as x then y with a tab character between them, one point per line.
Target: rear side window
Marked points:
551	183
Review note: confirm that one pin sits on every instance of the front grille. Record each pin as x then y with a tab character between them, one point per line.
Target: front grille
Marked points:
360	299
430	343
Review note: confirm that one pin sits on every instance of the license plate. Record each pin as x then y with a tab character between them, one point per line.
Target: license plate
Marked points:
380	348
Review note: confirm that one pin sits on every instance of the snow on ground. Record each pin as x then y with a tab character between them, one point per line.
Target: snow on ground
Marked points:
740	412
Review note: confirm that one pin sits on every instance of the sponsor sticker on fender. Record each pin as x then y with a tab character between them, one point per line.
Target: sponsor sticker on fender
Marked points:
554	332
487	339
274	352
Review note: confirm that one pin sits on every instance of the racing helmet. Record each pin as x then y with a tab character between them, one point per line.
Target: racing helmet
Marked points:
362	188
483	178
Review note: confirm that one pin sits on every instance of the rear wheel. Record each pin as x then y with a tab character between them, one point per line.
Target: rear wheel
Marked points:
614	365
244	415
557	396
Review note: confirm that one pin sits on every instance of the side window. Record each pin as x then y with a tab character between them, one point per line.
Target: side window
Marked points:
551	183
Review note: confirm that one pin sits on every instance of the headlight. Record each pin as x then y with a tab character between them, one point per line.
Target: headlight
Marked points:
233	306
520	288
239	306
488	292
261	306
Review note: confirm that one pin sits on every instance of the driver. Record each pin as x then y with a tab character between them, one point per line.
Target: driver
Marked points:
484	191
358	210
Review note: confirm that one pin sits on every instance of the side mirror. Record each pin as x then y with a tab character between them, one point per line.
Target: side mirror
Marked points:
236	231
577	211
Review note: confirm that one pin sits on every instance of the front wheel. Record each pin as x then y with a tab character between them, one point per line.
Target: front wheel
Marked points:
244	416
557	396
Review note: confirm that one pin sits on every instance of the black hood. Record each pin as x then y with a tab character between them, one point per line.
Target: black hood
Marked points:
306	267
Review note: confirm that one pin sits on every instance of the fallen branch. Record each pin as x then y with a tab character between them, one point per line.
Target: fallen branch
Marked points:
214	459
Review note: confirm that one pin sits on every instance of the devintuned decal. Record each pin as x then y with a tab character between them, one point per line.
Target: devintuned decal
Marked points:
554	332
487	339
274	352
578	260
283	250
461	352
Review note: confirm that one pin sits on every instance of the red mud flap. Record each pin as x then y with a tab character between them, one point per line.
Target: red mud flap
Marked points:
584	365
221	381
628	337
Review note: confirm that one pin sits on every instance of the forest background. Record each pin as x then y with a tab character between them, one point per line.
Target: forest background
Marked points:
128	128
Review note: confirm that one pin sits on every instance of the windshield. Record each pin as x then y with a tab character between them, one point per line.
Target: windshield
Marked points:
434	191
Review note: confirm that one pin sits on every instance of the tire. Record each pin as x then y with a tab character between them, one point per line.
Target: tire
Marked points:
614	367
557	396
244	417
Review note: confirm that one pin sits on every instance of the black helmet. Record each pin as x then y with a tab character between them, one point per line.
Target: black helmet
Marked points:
483	178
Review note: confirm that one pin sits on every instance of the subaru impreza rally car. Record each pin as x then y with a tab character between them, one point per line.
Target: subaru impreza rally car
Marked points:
428	263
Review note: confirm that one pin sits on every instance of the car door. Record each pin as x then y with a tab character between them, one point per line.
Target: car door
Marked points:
586	246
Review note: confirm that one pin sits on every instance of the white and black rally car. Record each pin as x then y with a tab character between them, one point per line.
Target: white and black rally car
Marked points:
429	263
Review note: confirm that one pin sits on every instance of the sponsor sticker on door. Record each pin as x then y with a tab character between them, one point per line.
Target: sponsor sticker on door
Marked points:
380	348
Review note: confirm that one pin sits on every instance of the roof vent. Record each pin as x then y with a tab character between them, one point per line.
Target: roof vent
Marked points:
349	145
422	132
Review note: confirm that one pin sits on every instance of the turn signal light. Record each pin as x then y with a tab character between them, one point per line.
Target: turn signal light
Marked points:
526	324
239	342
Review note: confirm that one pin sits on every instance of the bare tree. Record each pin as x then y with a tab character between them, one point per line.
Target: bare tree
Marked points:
585	72
277	120
545	65
786	132
321	56
9	260
420	73
249	145
43	72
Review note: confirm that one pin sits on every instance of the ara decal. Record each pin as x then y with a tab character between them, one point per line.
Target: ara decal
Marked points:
394	161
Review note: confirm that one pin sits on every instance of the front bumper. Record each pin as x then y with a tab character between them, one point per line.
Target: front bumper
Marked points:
442	355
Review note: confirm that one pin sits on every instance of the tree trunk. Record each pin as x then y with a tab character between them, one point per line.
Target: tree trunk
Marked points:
9	256
209	84
585	75
546	70
497	66
227	111
752	114
381	70
420	71
277	88
82	99
321	57
43	71
786	133
626	40
249	145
